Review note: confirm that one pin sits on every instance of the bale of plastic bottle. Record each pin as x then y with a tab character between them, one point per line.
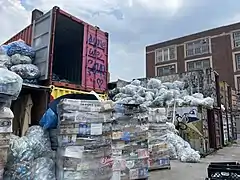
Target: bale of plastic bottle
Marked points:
20	59
20	47
10	85
26	71
23	154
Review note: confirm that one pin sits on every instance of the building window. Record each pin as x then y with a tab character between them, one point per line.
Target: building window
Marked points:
237	61
199	64
238	83
166	70
198	47
236	39
165	54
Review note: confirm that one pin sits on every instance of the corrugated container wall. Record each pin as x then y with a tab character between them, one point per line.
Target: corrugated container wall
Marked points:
69	52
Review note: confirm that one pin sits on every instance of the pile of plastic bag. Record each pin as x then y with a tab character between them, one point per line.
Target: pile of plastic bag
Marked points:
19	58
158	94
179	148
30	156
164	131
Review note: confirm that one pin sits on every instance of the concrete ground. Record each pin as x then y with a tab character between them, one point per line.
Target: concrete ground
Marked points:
196	171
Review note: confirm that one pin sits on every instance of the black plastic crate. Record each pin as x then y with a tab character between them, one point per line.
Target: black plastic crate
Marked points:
224	171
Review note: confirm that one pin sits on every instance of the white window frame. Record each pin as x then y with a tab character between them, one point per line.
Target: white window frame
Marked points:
165	65
161	50
196	54
198	59
234	61
233	41
235	81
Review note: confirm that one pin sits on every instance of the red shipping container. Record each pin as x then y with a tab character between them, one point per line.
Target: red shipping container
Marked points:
70	53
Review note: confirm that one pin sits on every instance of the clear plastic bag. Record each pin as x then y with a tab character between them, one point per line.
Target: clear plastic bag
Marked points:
20	47
20	59
154	84
4	58
39	141
43	169
26	71
4	48
24	150
10	84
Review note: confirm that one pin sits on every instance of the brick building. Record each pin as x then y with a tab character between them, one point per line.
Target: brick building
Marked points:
218	48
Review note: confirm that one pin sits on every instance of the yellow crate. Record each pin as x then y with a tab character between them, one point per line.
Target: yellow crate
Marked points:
58	92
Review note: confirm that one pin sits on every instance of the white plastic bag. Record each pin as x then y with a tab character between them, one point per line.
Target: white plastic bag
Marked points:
4	58
10	83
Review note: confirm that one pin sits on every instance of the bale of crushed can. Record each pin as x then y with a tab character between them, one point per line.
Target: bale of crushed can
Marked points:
130	142
159	157
84	140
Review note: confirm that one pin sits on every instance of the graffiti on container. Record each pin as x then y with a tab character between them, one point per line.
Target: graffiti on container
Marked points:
95	53
107	161
97	42
96	70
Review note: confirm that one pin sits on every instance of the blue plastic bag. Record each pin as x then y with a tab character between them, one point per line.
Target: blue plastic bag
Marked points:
20	47
49	120
4	48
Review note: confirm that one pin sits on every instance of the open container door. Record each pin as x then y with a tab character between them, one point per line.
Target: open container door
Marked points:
41	42
95	59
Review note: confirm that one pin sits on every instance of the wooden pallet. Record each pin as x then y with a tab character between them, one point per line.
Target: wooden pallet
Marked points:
159	168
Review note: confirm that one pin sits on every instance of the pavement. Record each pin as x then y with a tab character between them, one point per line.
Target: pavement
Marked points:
196	171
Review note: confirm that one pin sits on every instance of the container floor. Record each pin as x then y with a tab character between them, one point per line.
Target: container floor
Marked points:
197	171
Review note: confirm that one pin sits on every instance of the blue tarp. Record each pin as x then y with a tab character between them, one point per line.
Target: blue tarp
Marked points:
50	117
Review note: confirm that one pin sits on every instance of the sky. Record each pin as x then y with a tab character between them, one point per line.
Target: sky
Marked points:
131	24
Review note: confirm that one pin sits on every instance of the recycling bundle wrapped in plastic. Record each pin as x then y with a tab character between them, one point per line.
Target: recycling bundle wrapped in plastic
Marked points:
158	148
20	59
84	140
23	151
20	47
130	142
26	71
10	84
154	93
